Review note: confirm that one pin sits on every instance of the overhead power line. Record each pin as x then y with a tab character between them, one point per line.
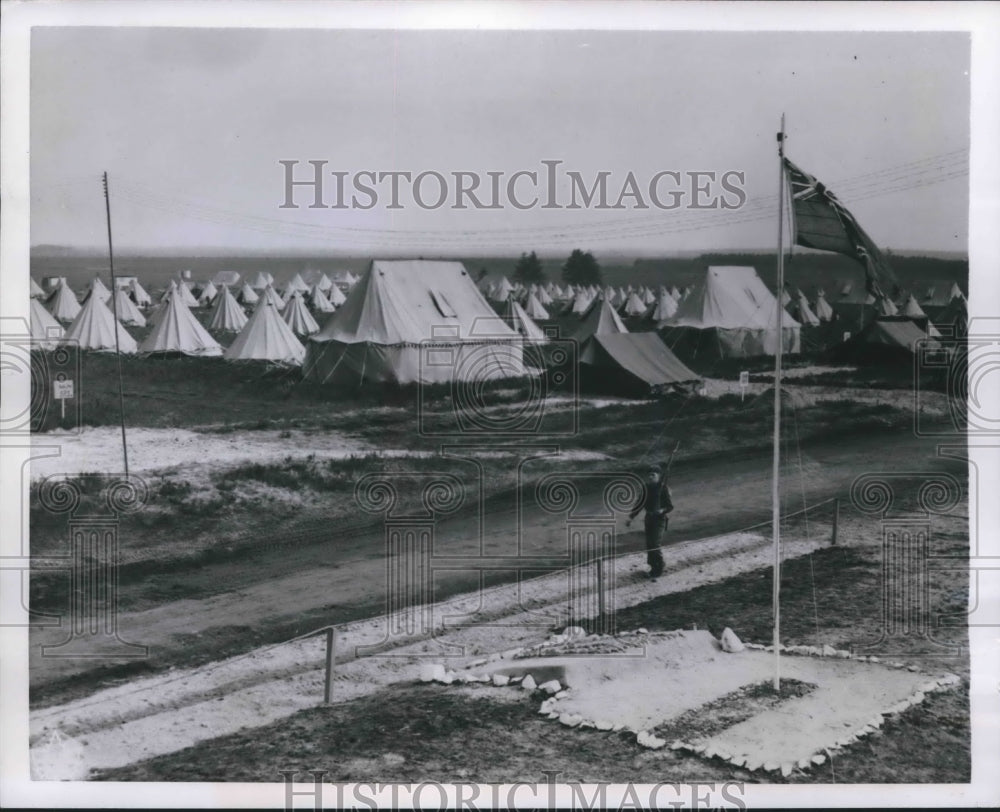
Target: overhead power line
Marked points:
933	170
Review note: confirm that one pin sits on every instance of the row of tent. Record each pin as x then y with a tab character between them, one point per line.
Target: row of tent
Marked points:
732	309
554	295
660	307
268	334
64	304
731	313
302	281
427	321
907	304
638	299
728	283
541	302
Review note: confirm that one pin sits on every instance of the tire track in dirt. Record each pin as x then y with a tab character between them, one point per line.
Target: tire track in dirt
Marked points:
345	578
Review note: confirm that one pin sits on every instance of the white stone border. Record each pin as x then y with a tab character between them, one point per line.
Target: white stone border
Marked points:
556	691
818	757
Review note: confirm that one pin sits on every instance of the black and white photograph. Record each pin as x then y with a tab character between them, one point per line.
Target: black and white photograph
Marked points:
512	406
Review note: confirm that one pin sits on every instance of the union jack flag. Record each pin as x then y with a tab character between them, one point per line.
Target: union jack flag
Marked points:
823	222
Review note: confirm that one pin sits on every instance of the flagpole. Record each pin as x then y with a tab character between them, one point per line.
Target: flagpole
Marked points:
776	472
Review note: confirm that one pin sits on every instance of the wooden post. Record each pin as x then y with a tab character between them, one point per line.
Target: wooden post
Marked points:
114	312
836	521
600	596
776	457
330	651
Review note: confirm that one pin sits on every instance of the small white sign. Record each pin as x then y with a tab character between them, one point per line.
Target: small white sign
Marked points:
744	383
62	390
847	335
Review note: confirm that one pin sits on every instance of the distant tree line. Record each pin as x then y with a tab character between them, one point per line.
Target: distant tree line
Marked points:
580	268
528	270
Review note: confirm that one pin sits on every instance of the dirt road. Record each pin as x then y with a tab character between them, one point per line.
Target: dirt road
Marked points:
281	592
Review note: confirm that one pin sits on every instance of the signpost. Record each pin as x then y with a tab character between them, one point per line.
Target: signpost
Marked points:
62	390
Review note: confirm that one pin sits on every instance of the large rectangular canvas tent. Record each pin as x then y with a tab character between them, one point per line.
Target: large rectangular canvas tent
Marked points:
411	321
731	314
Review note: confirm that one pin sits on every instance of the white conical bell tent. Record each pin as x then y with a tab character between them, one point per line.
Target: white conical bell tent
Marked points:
522	323
207	295
170	290
184	294
296	283
822	308
319	301
266	337
336	296
177	330
139	294
36	289
45	330
886	307
271	295
126	310
665	307
62	303
298	317
803	313
913	309
98	287
157	312
534	308
247	295
502	290
634	305
581	303
94	329
227	316
261	280
600	318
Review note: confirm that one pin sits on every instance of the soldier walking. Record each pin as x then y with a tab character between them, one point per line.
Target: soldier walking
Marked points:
657	503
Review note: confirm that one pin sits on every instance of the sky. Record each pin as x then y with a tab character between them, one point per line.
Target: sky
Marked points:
191	124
